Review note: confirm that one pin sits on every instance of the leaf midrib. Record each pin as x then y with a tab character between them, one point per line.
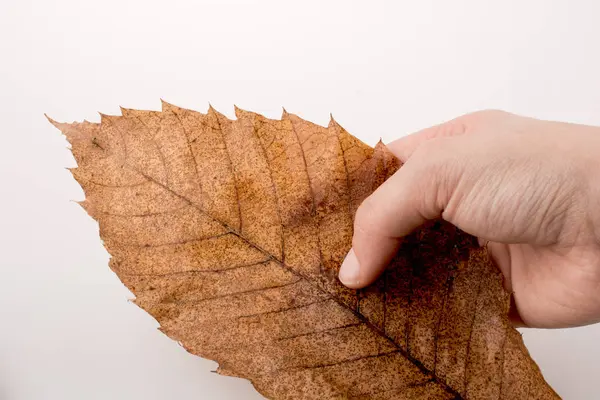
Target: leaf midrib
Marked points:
339	301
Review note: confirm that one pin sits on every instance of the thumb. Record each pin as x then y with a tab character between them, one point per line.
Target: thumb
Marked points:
419	191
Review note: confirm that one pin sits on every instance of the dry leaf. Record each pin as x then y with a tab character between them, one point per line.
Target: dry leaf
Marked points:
231	233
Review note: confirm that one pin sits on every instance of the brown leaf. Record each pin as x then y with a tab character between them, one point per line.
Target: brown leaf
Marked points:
231	233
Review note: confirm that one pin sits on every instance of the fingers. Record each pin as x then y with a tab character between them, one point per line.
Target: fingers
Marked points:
416	193
404	147
376	233
419	191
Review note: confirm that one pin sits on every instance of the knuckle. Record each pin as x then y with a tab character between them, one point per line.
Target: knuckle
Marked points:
436	171
485	116
492	112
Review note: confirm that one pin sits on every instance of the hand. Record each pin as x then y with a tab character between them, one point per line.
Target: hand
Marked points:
529	189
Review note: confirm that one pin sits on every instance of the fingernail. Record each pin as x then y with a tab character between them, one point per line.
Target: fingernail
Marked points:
349	270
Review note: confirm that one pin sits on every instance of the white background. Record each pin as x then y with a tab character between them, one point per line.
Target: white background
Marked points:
383	68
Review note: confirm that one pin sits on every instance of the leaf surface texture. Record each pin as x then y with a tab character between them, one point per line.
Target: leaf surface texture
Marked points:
231	233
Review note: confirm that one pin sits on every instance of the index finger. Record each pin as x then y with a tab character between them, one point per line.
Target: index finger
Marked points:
405	146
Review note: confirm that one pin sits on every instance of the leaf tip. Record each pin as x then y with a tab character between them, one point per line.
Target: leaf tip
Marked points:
332	122
103	117
211	109
125	111
106	117
166	106
285	115
50	119
56	124
215	113
380	148
238	111
85	205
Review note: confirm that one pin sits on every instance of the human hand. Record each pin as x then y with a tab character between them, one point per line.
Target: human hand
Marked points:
529	189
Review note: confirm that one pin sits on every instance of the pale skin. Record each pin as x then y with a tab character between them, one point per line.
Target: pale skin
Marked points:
528	189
